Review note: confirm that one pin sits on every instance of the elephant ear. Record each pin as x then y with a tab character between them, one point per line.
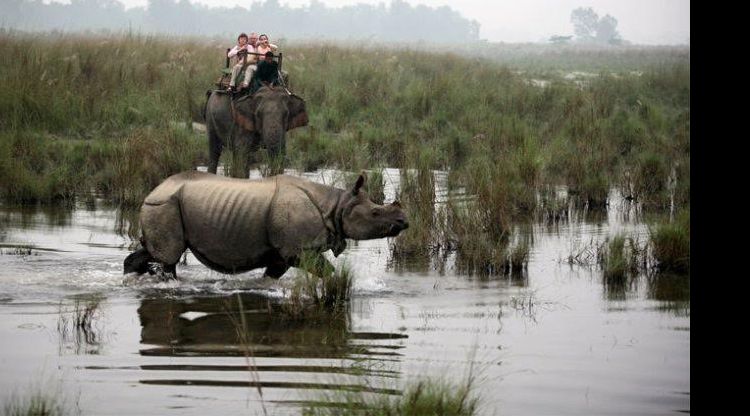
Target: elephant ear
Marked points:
243	112
297	112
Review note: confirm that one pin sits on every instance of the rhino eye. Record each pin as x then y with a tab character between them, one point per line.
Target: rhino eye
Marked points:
375	212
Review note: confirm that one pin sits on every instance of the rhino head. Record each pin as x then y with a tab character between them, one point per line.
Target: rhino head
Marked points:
362	219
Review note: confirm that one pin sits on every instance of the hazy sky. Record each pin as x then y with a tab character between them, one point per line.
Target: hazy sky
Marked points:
640	21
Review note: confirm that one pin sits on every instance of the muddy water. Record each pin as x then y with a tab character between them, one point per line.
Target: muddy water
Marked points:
554	341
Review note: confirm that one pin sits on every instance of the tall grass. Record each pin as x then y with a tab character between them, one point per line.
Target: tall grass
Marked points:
368	106
671	244
417	195
38	167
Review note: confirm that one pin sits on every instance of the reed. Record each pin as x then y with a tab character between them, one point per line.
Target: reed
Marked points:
45	399
423	396
318	288
417	195
671	244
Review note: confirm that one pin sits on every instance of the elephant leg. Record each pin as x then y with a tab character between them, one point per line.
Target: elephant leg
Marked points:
241	155
215	146
252	151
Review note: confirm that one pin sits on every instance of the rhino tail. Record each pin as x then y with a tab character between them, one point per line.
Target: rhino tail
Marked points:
138	261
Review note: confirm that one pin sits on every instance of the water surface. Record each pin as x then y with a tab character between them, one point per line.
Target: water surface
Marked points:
555	340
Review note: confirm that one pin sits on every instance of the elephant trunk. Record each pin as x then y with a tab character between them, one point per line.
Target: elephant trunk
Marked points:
274	137
273	134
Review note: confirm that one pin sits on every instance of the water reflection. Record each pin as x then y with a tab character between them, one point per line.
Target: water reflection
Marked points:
128	225
672	290
255	325
31	216
80	326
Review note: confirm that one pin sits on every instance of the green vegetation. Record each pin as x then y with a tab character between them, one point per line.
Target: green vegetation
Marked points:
40	400
317	287
39	167
620	258
671	243
115	113
368	107
426	396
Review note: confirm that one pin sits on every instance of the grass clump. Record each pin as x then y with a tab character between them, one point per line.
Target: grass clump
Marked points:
317	287
478	249
671	244
40	400
417	195
426	396
620	258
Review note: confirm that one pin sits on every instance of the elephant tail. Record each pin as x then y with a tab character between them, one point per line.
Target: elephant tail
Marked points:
205	105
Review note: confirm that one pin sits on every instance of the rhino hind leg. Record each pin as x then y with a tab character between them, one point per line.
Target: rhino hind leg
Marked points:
138	262
165	271
141	261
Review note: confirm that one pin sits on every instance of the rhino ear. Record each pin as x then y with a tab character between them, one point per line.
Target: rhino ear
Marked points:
360	182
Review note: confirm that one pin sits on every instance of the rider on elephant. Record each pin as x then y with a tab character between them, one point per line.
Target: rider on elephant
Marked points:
267	73
244	52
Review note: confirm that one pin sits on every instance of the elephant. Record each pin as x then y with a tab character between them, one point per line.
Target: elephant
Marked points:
235	225
244	124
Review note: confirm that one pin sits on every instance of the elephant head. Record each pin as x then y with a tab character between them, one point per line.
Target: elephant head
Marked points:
269	114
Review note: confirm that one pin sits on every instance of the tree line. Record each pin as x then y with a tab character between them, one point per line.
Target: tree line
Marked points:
397	21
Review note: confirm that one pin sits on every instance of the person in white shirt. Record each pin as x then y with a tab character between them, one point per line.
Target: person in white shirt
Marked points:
243	60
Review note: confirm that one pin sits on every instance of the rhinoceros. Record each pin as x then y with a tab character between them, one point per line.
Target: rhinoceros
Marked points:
235	225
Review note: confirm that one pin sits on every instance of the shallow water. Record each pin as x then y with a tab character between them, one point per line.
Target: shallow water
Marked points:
554	341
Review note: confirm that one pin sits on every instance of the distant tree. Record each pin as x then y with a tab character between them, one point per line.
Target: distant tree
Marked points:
588	27
606	32
560	39
585	23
